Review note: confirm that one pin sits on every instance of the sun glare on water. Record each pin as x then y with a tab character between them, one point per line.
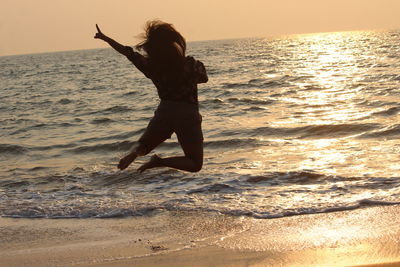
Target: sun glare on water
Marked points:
330	63
324	106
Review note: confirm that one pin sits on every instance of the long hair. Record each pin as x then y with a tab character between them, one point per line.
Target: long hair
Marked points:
164	46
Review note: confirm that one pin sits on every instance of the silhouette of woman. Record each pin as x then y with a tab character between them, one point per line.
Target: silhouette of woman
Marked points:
175	76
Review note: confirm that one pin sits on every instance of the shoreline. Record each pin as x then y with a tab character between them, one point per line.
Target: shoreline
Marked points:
362	237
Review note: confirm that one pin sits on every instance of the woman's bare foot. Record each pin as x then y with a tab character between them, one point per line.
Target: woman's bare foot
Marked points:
126	161
154	161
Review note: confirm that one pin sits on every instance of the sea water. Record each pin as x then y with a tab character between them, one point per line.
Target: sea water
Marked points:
292	124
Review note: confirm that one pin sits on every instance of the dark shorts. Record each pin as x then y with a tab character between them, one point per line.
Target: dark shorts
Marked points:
171	117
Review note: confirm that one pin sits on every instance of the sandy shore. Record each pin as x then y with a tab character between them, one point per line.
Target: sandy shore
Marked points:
361	237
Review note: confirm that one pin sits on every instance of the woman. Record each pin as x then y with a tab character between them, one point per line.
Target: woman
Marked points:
175	76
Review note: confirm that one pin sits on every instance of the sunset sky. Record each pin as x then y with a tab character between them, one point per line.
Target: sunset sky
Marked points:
48	25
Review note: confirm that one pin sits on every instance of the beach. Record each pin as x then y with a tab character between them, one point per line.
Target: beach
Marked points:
348	238
301	157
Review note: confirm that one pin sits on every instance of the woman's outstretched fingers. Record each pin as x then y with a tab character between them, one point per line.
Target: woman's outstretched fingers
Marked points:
98	29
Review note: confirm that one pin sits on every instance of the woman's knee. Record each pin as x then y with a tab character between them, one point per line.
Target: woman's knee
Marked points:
197	166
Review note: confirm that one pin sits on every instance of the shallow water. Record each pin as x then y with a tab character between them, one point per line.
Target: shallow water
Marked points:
292	124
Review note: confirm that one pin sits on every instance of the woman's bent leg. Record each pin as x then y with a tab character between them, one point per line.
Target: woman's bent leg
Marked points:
192	161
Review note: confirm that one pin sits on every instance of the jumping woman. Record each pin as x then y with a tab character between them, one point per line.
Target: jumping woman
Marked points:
175	76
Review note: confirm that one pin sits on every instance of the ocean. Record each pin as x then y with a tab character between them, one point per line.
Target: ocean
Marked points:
296	124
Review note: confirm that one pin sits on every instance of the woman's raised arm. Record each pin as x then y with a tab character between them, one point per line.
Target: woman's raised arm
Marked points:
114	44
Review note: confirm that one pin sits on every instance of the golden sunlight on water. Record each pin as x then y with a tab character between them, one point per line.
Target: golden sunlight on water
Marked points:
326	108
330	96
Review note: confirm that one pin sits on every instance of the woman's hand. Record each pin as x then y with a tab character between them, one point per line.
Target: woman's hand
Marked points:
99	34
114	44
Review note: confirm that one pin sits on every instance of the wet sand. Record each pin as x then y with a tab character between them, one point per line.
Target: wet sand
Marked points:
349	238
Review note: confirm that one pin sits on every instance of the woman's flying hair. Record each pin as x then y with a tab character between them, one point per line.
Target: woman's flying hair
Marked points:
164	45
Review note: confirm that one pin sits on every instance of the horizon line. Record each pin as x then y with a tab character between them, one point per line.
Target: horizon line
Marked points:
208	40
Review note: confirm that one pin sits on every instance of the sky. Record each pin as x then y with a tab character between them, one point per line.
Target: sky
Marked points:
34	26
